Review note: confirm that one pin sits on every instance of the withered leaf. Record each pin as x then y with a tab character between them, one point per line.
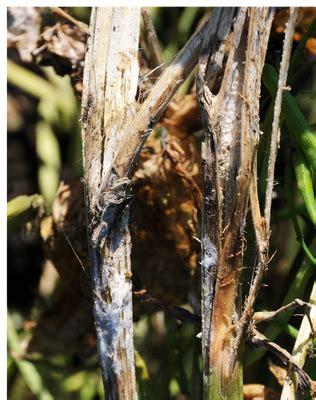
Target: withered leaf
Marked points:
24	30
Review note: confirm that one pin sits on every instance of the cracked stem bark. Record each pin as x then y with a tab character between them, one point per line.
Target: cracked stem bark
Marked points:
230	120
110	84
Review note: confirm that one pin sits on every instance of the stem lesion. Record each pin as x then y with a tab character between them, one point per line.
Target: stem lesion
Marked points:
230	121
105	110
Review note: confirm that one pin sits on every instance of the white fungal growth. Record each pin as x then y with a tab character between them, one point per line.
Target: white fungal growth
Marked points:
209	259
229	125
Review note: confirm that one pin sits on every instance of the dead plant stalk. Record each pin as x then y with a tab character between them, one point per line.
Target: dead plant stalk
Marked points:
262	223
231	123
110	152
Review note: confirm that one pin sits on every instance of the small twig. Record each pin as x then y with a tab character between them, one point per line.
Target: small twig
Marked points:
84	27
259	340
179	313
302	347
275	134
152	71
261	316
154	48
262	225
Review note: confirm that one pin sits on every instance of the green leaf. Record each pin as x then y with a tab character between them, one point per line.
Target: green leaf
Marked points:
47	146
21	207
74	382
28	370
48	179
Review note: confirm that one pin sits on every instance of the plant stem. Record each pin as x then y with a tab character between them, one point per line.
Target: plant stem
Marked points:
301	348
231	123
110	83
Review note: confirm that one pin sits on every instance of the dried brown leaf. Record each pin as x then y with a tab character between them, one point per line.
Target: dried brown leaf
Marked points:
181	116
278	372
165	217
256	391
63	47
24	30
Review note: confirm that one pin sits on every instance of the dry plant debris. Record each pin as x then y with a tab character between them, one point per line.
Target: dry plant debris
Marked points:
166	188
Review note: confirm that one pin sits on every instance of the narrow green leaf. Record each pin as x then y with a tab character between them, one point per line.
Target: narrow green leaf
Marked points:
28	370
